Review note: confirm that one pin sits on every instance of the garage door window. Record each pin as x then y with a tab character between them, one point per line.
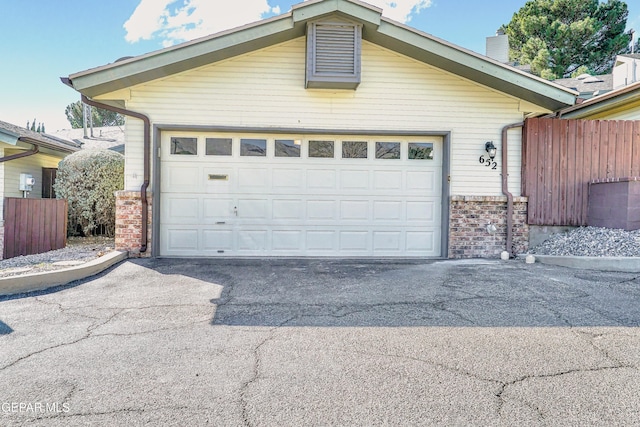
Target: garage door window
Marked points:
354	149
421	151
288	148
321	149
387	150
253	147
218	146
184	146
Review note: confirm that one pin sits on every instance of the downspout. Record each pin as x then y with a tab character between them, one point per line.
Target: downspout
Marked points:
505	185
146	166
34	150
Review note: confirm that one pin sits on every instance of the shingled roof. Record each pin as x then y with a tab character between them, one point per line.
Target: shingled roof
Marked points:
12	134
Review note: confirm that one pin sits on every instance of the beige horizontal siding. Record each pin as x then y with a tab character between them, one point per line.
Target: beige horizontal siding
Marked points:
32	165
266	89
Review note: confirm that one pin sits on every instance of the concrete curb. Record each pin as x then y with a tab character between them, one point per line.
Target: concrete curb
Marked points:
621	264
48	279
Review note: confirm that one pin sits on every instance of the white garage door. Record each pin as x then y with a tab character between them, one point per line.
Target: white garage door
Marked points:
283	195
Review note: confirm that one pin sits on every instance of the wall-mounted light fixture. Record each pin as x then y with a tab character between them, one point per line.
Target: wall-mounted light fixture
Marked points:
491	149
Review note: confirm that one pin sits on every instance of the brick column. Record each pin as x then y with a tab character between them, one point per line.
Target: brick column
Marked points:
129	223
469	217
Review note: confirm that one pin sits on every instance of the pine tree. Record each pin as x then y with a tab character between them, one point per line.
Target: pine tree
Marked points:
558	36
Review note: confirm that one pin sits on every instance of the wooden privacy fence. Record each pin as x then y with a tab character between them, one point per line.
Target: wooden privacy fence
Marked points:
561	157
33	226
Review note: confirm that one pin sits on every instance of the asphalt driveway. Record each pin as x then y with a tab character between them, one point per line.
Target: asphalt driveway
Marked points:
308	342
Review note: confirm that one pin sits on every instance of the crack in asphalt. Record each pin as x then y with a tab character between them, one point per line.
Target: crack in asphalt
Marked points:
505	385
89	331
257	363
99	322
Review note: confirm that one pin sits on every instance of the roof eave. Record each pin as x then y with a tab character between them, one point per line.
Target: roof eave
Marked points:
166	62
607	102
441	54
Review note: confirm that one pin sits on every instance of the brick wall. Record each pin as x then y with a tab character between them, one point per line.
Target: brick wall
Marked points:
469	217
129	223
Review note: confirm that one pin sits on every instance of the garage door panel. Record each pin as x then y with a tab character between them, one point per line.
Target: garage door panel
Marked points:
351	210
217	240
390	210
181	239
181	178
218	180
387	180
351	180
321	179
252	180
354	241
283	209
321	240
252	240
321	209
291	180
283	240
421	241
216	210
181	209
426	182
422	211
252	208
387	241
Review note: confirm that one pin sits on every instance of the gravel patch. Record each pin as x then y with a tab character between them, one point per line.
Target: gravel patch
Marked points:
591	241
78	249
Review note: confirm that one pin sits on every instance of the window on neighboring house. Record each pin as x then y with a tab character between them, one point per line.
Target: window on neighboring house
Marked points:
333	55
48	179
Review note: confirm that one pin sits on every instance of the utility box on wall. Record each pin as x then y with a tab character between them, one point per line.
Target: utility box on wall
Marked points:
27	181
615	204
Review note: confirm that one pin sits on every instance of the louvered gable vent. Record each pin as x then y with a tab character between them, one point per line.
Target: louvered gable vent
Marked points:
333	55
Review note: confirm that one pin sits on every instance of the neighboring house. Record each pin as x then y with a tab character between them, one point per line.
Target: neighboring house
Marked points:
620	104
326	131
587	85
33	154
106	137
626	70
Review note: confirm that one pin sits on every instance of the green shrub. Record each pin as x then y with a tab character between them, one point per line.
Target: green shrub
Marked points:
88	180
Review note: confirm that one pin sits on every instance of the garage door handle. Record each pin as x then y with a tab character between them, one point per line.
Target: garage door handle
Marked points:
235	210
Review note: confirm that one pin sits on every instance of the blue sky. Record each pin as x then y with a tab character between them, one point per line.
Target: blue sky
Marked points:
46	39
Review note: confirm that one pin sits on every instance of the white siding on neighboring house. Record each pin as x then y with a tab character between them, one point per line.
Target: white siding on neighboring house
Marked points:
32	165
266	89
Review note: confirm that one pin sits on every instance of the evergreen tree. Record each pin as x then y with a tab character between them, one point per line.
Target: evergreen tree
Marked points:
100	117
556	37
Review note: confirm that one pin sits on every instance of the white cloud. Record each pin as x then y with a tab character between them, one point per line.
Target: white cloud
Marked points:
400	10
175	21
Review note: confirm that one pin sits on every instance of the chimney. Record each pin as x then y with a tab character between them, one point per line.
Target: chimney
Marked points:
498	47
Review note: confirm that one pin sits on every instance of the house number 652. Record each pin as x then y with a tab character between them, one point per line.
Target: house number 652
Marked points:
488	163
